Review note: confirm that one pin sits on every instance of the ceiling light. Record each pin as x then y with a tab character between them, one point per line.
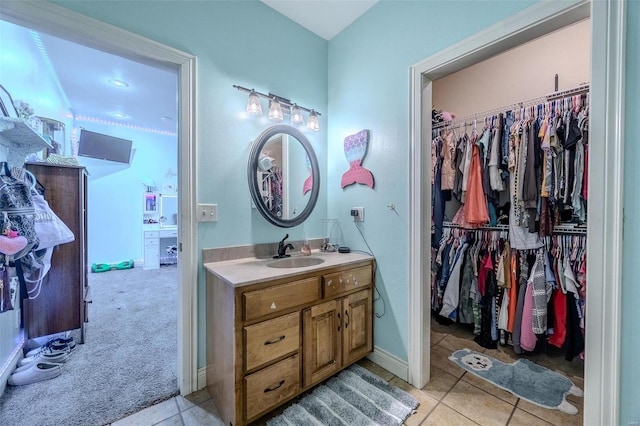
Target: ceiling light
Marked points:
296	115
120	115
166	118
312	122
275	111
118	83
253	104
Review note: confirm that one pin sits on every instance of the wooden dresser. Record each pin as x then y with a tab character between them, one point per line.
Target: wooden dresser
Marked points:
269	341
62	302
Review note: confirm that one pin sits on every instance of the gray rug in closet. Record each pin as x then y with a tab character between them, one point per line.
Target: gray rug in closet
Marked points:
129	360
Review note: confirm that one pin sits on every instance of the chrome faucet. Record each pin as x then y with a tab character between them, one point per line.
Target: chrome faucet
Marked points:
282	248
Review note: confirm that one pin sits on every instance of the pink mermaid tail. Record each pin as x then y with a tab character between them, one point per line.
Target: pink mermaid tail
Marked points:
355	148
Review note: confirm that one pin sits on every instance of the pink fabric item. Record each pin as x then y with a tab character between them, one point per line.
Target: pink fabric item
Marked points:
527	336
10	246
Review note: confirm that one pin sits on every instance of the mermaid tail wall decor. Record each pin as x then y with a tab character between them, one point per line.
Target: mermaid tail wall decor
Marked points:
355	148
308	182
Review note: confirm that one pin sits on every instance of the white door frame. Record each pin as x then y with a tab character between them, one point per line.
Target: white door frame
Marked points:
78	28
604	244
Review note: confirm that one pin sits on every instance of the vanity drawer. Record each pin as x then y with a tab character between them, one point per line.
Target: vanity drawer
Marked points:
272	385
259	303
271	339
341	282
151	234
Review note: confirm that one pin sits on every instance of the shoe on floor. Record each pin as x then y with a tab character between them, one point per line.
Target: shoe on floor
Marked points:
56	344
37	372
46	355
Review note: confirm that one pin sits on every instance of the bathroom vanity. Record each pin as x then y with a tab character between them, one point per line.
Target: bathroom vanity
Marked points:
275	328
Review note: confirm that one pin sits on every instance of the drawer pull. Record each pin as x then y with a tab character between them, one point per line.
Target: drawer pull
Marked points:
271	342
275	387
329	282
339	322
346	323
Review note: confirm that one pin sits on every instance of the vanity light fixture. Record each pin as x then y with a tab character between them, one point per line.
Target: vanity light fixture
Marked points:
296	115
253	104
278	106
312	122
275	110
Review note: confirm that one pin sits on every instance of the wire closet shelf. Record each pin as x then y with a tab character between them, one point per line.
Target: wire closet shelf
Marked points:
523	107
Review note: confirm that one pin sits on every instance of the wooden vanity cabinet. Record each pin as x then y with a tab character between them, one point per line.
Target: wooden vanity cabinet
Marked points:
269	342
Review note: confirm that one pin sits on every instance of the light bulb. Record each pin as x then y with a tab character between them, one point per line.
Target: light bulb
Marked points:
275	111
253	104
296	115
312	122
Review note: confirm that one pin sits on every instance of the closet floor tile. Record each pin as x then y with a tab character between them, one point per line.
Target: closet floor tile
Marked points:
446	416
454	343
440	359
440	383
437	337
478	405
522	418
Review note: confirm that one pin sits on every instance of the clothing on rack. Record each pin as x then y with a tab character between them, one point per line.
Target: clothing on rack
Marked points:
526	298
529	160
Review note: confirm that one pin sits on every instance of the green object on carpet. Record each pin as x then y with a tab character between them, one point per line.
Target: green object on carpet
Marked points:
104	267
523	378
354	397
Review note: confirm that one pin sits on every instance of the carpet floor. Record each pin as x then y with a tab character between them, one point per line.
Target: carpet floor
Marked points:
355	397
128	361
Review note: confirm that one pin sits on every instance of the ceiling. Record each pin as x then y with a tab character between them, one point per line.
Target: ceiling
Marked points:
325	18
150	101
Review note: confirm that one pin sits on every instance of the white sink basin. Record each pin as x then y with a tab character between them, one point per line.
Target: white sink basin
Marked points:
295	262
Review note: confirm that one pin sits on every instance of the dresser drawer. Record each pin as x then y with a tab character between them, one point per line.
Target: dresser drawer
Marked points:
272	385
151	234
151	242
259	303
342	282
271	339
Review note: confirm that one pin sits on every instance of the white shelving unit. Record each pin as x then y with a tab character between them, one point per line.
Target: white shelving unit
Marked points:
19	140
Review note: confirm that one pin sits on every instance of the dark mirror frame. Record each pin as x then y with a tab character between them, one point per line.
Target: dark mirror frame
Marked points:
252	170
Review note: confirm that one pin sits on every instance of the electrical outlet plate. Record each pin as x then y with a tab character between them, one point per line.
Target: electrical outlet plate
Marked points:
207	213
360	217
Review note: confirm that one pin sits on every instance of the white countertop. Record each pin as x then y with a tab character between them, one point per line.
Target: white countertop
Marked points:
240	272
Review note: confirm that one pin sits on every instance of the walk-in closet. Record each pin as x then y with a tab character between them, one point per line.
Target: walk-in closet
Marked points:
509	178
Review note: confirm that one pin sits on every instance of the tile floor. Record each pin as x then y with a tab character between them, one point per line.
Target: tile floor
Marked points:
452	396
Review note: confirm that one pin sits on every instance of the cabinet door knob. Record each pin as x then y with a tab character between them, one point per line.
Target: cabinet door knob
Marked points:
271	389
274	341
329	283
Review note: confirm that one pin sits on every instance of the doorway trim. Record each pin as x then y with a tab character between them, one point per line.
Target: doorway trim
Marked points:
78	28
604	245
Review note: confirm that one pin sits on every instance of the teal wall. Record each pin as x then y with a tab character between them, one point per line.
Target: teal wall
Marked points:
361	80
630	333
236	42
369	89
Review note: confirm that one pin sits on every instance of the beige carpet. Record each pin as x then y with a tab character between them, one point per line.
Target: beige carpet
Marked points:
129	360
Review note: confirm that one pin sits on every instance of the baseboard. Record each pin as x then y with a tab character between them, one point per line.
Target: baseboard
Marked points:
202	378
8	367
390	363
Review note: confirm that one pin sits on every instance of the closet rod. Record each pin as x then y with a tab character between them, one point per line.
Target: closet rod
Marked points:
470	119
557	230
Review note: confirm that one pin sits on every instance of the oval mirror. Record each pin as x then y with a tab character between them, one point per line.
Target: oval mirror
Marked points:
283	176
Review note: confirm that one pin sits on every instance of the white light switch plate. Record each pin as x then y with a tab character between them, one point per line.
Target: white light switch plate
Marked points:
207	213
